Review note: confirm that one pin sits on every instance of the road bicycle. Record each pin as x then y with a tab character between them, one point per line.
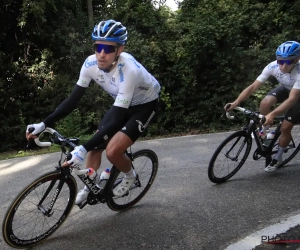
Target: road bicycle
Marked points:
41	208
232	153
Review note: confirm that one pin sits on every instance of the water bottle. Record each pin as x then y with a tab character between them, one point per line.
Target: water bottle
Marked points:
262	134
92	174
104	178
271	135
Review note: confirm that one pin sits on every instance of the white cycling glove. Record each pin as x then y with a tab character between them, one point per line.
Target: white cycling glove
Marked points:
78	155
38	128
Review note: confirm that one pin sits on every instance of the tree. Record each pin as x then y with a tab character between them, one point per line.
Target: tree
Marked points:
90	12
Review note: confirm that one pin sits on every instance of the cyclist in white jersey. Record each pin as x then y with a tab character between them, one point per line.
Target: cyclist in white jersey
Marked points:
135	92
286	70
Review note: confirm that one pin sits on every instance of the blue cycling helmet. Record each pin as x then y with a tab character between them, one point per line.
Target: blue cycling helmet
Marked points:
289	49
110	31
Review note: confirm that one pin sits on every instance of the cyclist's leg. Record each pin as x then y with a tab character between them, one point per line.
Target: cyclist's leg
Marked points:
286	135
93	160
115	151
139	117
94	157
276	95
291	118
264	109
266	104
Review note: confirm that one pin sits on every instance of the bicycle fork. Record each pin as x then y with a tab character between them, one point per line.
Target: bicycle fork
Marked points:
239	151
48	211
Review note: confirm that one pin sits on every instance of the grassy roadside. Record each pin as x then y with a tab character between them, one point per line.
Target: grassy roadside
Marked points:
56	148
31	152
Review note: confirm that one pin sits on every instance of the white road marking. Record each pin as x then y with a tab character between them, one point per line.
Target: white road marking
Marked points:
255	239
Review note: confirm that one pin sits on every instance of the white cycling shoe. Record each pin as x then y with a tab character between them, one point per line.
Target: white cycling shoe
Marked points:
123	187
273	165
81	196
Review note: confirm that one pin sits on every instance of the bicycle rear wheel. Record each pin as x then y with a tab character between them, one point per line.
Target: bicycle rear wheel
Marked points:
145	163
229	157
27	222
293	147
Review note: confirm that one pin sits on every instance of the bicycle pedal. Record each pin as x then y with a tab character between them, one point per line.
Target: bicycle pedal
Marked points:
83	204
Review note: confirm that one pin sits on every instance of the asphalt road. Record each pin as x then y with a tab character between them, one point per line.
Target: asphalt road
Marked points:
182	210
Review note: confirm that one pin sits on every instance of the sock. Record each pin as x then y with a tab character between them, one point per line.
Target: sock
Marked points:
279	153
131	174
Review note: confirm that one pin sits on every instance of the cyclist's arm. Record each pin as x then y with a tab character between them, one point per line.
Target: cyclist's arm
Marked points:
66	107
248	91
113	125
265	74
244	94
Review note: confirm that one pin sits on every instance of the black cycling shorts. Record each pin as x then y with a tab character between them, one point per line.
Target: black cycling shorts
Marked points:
293	114
281	93
136	121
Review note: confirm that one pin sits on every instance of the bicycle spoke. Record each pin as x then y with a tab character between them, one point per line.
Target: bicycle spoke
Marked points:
28	222
229	157
293	147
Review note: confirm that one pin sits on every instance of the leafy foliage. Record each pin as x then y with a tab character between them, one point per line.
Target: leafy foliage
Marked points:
203	55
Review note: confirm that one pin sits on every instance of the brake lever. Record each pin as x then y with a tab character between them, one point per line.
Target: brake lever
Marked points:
30	142
263	120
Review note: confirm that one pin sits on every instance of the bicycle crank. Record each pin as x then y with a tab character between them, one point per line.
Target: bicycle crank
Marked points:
256	155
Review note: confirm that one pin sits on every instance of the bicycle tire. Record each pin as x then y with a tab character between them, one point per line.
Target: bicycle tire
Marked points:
293	147
24	224
145	163
221	168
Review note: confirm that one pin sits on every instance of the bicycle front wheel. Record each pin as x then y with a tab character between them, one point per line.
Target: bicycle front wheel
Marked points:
229	157
39	210
145	163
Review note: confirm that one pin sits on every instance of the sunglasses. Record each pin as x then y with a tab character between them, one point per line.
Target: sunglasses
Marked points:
98	47
288	62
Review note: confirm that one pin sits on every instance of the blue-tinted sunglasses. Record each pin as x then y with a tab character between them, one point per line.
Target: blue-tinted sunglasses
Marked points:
98	47
287	62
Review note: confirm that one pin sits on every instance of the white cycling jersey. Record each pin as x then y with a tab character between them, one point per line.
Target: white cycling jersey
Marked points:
286	79
297	83
129	83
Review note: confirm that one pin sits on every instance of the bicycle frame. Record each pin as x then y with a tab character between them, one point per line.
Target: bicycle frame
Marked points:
253	124
96	195
43	205
234	150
